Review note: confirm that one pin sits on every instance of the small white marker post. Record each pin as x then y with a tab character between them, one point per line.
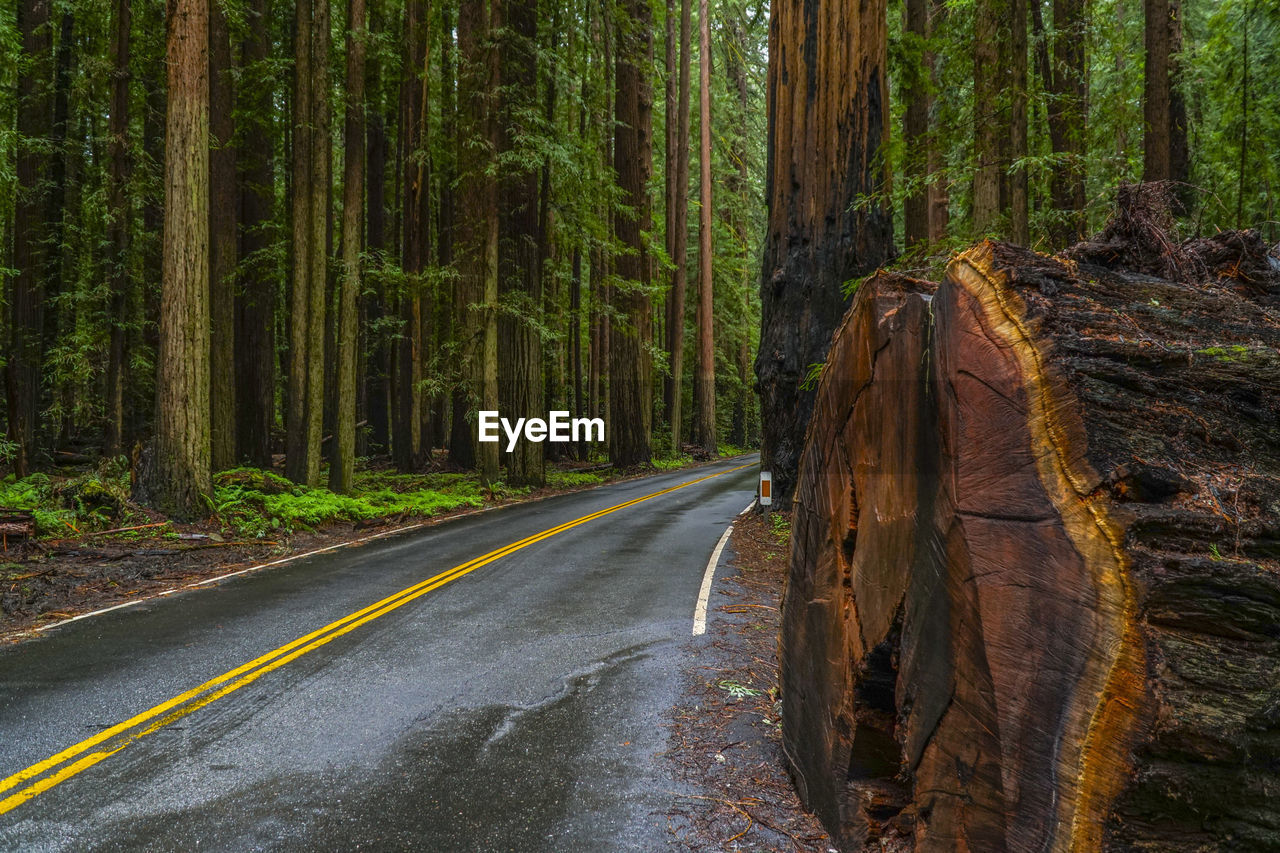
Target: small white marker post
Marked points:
765	496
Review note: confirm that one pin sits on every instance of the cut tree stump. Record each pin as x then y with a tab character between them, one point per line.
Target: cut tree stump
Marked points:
1034	591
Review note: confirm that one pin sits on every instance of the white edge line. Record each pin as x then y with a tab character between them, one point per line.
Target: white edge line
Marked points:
704	594
245	571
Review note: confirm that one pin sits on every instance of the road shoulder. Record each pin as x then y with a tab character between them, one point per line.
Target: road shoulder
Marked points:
726	746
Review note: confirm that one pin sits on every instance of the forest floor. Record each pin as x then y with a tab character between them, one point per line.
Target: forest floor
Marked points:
94	548
726	733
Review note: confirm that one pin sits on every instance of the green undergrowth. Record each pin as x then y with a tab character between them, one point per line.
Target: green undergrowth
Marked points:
67	506
258	504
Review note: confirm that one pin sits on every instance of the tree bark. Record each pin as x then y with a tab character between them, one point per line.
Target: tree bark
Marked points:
520	282
828	114
311	122
1067	107
342	460
1164	140
477	243
705	387
374	301
988	174
255	351
119	210
1020	552
222	244
406	425
915	130
178	478
1016	53
630	390
26	292
678	235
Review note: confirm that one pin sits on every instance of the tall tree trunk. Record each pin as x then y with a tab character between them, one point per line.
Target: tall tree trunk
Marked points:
828	114
705	387
178	477
310	241
738	185
630	392
255	351
1019	201
1157	91
678	236
1179	150
989	162
520	285
374	302
26	293
118	207
65	162
342	461
222	244
406	426
1064	77
477	244
915	131
140	403
938	197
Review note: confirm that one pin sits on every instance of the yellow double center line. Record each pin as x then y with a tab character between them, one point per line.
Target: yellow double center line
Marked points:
108	742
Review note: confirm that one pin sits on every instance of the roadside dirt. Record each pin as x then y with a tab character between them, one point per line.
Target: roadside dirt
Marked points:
46	581
725	734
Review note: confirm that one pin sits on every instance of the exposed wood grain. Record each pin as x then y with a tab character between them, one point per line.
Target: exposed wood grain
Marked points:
1034	598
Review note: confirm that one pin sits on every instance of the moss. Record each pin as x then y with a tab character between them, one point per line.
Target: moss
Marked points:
572	479
258	503
1231	353
673	462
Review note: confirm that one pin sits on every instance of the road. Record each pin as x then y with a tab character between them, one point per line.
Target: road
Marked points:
515	706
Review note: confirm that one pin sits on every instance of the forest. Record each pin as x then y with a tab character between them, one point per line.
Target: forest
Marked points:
307	236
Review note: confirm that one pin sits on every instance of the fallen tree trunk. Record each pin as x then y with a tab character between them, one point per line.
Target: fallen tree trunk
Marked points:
1034	593
16	524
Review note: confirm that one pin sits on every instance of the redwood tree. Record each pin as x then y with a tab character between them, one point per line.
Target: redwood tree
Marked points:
520	385
828	115
310	223
178	477
118	203
705	384
631	332
222	242
1164	141
342	463
26	293
677	218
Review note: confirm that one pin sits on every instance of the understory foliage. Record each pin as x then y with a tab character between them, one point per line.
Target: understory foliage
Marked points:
256	504
1230	58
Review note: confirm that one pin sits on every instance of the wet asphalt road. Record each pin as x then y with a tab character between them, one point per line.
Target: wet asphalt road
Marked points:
520	707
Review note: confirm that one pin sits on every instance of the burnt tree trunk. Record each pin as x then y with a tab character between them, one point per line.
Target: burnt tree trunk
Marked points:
1033	590
828	114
